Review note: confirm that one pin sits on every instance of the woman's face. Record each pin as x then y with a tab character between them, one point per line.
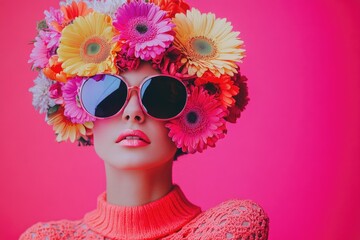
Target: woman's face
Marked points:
131	139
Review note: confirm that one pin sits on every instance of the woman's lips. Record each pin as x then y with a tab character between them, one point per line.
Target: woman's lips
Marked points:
133	138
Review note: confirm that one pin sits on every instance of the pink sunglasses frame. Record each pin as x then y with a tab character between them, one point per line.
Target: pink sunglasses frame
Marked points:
129	91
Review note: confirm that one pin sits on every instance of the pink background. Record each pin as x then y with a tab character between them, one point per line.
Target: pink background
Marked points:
295	150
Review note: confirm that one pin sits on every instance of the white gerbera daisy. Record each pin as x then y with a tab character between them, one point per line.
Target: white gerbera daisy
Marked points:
107	7
68	2
41	99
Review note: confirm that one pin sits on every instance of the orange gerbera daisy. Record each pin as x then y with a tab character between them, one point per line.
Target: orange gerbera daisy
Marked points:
67	130
54	71
172	7
222	87
72	11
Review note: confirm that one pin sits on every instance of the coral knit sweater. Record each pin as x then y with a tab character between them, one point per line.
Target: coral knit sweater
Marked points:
170	217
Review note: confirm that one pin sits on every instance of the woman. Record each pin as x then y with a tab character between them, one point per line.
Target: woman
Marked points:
144	82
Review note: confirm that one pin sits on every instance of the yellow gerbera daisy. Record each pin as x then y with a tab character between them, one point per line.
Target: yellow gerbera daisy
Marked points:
208	43
67	130
87	46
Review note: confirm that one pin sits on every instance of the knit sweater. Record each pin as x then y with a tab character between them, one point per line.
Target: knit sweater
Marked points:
170	217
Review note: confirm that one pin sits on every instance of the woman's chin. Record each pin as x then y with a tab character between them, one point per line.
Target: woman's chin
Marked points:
135	161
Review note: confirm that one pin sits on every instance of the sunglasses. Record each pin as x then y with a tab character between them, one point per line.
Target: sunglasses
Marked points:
162	97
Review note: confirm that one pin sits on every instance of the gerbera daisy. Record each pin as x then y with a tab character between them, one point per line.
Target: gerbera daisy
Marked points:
68	2
74	10
65	129
222	87
54	70
41	99
144	28
108	7
200	125
45	46
73	110
54	18
172	7
208	43
87	46
241	99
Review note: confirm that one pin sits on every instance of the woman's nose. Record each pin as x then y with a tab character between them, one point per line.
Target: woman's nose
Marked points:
132	110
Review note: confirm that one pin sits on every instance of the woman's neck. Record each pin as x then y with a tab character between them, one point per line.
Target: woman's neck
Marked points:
137	187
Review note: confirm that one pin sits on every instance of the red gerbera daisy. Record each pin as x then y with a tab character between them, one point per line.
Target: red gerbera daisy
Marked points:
222	87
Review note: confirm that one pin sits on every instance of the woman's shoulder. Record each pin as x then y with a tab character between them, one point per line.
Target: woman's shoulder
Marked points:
232	219
63	229
49	230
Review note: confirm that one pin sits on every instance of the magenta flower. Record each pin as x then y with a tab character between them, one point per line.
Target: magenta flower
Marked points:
126	62
144	28
73	109
201	124
169	62
55	92
45	46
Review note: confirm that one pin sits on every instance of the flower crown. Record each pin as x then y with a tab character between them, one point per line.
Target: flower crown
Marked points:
88	37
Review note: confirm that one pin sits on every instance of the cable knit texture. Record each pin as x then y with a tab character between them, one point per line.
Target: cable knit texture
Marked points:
171	217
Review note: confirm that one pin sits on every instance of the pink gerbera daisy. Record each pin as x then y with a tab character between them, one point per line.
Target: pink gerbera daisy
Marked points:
201	124
45	46
73	109
145	28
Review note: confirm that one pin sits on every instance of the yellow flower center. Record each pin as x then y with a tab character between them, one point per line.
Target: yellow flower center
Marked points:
95	50
201	48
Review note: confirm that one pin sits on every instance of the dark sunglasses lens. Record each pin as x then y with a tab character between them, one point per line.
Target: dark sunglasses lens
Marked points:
163	97
103	95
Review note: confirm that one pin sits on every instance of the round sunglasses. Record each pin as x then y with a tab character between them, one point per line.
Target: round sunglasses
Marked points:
162	97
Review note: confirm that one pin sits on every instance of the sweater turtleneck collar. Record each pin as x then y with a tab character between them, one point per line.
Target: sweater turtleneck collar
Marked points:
150	221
